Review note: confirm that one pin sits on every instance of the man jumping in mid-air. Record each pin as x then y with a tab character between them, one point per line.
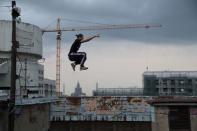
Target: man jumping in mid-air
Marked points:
79	57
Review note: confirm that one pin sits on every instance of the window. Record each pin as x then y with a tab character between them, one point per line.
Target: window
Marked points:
2	60
32	92
165	89
40	72
40	85
40	78
190	82
157	82
172	82
148	82
164	81
181	82
173	90
190	90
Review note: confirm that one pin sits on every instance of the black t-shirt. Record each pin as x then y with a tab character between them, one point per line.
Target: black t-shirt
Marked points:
75	46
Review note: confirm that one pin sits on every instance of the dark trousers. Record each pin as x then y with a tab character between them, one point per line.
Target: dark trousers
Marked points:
78	58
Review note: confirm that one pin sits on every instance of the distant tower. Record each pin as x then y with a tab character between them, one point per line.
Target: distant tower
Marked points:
78	91
147	68
64	89
96	85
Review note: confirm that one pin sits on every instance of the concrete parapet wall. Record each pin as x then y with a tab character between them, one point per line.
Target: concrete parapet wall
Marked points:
193	118
33	118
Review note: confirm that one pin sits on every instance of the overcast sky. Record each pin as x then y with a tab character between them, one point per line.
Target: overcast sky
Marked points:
119	57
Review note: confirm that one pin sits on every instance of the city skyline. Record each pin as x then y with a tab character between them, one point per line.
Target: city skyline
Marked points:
118	57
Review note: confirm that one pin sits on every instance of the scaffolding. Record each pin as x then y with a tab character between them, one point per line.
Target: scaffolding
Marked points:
170	83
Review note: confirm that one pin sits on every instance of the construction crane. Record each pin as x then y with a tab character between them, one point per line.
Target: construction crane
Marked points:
59	31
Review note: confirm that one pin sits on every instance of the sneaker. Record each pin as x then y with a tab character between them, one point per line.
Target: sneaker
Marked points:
73	66
83	68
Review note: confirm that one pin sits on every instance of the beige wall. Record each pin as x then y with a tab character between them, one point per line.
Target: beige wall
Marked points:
28	118
161	119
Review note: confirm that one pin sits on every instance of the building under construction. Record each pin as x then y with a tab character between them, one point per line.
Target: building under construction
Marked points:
170	83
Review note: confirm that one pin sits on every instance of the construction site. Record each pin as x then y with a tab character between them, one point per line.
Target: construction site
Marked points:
29	100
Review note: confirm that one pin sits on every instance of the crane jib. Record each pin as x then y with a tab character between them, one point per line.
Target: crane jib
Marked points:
104	27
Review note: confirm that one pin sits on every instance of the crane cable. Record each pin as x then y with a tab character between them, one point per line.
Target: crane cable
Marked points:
82	21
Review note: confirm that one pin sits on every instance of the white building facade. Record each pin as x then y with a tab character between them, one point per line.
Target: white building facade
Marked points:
29	71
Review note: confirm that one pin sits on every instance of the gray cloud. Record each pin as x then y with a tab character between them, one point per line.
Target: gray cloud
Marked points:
178	17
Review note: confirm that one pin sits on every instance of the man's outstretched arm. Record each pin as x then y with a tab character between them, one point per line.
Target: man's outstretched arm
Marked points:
89	38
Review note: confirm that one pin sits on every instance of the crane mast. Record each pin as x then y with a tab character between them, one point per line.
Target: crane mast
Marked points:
59	30
58	51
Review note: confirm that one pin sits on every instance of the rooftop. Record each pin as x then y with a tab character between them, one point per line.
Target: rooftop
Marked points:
171	73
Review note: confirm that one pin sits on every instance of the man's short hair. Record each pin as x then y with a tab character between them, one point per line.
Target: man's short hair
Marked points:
79	35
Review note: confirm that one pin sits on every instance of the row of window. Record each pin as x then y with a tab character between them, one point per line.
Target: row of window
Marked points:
171	82
173	90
